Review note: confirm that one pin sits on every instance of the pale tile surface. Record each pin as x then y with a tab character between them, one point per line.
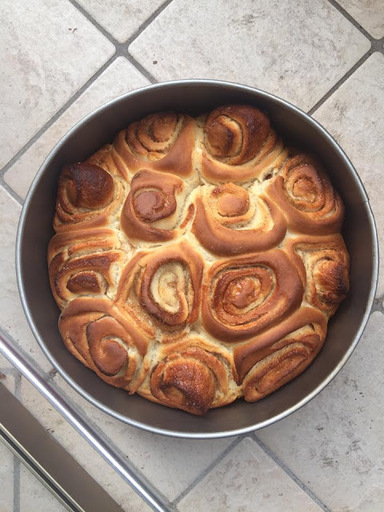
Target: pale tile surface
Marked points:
119	17
336	443
258	43
5	365
298	51
119	78
81	451
354	115
161	459
369	13
6	479
39	72
247	480
35	496
12	318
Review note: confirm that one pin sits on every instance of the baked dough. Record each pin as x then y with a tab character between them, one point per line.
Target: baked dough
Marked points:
197	260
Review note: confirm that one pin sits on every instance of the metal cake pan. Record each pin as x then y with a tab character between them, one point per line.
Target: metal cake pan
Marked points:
194	97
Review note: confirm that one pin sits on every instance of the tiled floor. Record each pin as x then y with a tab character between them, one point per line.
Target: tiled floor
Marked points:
60	60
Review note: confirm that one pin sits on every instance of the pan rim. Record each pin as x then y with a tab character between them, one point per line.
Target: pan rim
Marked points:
56	364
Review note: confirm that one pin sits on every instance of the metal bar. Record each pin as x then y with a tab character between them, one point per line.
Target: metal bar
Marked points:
47	459
158	503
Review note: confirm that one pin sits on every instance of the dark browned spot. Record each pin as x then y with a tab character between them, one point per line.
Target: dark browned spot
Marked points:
88	186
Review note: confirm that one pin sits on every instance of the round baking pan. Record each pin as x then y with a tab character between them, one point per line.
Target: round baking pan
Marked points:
194	97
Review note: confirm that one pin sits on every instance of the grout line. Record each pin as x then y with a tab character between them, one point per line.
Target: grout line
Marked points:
50	378
148	21
57	115
122	48
286	469
140	68
378	305
8	371
18	379
352	20
339	83
207	470
95	427
377	45
136	34
10	191
97	25
16	484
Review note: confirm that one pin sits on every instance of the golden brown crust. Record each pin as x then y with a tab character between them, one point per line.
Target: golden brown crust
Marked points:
84	263
247	295
97	333
197	261
161	142
305	195
239	145
236	133
151	211
161	289
87	197
325	263
104	158
305	323
229	221
192	375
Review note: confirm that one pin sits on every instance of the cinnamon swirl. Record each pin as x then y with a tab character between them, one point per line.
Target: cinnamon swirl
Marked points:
197	261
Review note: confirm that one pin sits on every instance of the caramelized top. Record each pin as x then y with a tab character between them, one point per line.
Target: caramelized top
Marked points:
197	260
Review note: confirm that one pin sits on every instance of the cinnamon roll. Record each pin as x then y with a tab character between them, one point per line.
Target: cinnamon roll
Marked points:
104	340
87	197
305	195
162	289
104	158
161	142
84	263
325	263
197	261
239	145
249	294
231	220
192	375
269	361
153	208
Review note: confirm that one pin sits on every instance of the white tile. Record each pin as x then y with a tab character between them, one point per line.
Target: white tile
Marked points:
335	444
5	365
49	50
12	318
80	450
354	115
297	52
161	459
247	480
368	13
35	496
119	78
6	479
119	17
